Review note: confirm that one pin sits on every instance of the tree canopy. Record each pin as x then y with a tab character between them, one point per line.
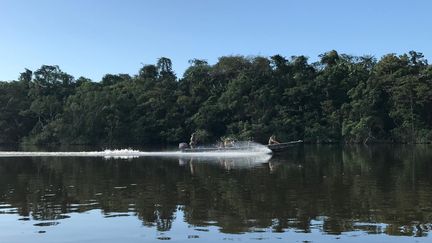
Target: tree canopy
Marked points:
340	98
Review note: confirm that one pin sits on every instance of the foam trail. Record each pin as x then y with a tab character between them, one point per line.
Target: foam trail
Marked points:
128	153
240	150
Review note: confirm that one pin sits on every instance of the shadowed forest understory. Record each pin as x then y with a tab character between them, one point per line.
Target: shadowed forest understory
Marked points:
338	99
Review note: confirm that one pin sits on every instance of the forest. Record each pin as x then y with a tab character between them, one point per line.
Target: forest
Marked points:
338	99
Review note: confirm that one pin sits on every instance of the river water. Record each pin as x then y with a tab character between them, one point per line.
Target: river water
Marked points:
309	194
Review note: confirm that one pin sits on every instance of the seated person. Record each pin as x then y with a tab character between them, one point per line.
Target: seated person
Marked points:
228	142
272	140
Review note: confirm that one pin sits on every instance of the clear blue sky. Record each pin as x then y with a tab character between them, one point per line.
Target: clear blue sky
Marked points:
94	37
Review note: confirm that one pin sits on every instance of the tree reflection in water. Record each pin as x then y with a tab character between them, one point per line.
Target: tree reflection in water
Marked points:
375	190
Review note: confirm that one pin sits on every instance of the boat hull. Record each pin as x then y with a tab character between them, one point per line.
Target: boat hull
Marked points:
195	150
280	147
275	148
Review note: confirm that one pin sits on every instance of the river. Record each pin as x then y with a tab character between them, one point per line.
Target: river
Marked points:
308	194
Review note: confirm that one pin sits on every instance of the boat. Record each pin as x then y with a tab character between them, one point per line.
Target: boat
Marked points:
214	149
275	148
280	147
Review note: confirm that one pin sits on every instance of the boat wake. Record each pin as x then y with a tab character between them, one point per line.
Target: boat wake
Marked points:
255	151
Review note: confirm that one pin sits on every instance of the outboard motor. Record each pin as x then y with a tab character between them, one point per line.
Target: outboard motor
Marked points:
183	146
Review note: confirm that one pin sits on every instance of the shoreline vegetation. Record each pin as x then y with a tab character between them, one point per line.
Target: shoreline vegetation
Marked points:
338	99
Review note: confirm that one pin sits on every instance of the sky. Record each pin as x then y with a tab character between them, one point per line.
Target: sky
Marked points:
91	38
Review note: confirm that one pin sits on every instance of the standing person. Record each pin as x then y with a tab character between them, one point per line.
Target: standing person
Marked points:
272	140
193	140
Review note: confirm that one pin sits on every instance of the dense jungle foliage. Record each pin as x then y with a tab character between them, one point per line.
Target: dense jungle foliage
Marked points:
340	98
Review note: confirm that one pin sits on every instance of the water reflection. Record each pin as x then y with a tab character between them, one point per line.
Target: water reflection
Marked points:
226	162
378	190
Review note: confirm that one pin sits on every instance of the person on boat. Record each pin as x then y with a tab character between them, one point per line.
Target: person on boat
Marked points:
220	144
272	140
183	146
228	142
193	141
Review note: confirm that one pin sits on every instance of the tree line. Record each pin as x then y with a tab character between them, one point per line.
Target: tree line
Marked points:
340	98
